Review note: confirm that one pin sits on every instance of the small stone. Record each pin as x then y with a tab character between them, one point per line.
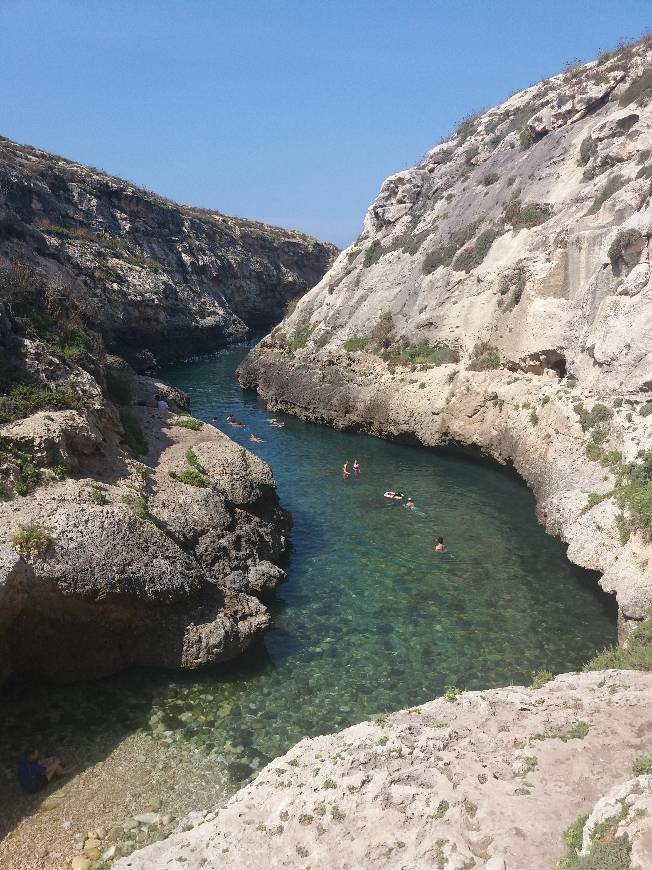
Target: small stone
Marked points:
91	843
155	804
109	853
79	862
147	819
50	803
93	853
496	863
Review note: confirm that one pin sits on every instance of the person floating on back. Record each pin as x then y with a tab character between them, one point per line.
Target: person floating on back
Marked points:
440	547
34	772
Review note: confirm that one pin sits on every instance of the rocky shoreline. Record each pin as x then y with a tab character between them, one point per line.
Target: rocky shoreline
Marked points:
486	779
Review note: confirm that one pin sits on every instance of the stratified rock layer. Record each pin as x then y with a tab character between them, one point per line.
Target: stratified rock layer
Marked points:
487	780
499	292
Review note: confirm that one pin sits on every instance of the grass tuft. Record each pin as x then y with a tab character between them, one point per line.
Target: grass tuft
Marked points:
32	540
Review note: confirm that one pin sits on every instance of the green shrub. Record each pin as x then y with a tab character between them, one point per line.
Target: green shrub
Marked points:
132	434
191	477
645	410
452	693
614	184
32	540
98	495
467	127
472	256
490	178
186	422
639	91
512	285
635	655
578	731
136	504
623	529
372	254
383	331
540	678
594	498
119	387
534	418
356	342
29	476
642	766
598	414
444	255
587	149
23	400
485	356
525	138
526	215
301	337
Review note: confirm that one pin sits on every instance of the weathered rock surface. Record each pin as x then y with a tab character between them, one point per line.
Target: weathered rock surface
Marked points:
517	255
156	573
489	779
151	274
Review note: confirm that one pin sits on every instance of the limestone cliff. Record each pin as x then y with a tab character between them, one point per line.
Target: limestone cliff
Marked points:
152	276
500	296
488	780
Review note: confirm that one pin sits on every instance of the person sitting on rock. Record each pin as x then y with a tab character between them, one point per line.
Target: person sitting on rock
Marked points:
34	772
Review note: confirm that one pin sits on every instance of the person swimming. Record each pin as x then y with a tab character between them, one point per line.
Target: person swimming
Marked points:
356	467
345	469
410	504
278	424
256	439
440	547
235	423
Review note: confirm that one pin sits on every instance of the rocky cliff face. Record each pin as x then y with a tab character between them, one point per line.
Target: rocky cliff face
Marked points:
487	780
499	296
151	275
128	534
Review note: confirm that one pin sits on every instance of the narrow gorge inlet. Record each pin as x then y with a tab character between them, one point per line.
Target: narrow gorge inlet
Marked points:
371	619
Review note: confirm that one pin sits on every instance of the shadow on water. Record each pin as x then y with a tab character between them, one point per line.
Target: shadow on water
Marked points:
371	619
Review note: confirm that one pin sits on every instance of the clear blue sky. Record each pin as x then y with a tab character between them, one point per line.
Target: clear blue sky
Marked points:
289	111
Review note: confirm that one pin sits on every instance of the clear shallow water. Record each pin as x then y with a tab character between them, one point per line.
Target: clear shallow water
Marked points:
371	619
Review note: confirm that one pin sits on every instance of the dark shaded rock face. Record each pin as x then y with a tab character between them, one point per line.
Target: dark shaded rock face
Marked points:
151	275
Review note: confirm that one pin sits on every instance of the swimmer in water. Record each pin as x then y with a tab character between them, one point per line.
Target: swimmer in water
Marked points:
345	469
410	504
356	467
256	439
440	547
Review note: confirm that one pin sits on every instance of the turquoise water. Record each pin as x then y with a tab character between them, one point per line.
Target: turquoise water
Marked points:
371	619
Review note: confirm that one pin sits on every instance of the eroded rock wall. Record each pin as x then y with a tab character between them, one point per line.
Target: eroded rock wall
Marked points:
499	292
151	275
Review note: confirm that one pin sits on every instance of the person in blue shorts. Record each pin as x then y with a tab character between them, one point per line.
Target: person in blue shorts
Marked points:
34	772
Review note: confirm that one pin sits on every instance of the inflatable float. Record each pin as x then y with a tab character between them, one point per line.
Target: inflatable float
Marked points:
393	496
